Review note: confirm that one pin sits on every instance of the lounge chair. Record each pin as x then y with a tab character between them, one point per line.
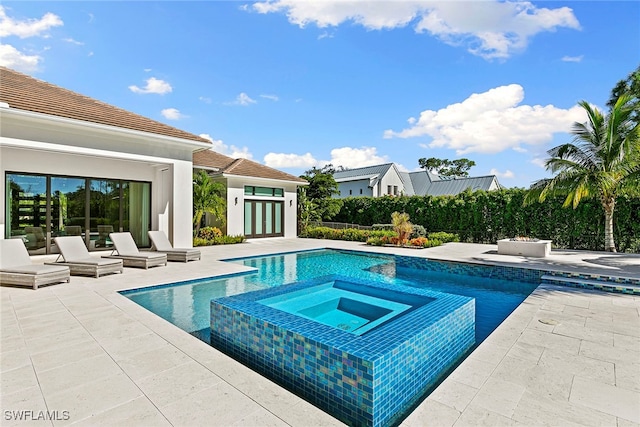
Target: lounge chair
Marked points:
75	255
125	249
16	267
162	244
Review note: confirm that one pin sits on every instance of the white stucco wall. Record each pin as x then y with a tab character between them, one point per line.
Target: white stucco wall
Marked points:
235	212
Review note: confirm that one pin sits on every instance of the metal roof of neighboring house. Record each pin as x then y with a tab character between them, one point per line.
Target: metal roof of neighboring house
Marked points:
421	182
458	185
372	173
240	167
23	92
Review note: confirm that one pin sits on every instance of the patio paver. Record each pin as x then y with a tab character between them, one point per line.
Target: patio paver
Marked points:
564	357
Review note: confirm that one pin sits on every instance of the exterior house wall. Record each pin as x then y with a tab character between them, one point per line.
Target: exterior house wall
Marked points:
235	212
35	143
391	178
354	187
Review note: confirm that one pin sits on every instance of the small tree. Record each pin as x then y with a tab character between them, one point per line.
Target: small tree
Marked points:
446	167
402	226
322	186
208	197
307	210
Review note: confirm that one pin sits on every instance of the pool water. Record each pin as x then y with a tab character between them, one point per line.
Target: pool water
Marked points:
187	305
341	305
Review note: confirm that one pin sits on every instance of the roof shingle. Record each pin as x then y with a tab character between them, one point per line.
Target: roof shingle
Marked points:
26	93
240	167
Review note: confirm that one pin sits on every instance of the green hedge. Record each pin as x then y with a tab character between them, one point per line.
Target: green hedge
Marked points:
217	240
350	234
485	217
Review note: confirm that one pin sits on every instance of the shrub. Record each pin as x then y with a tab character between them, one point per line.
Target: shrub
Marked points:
208	233
376	241
418	241
218	240
350	234
444	237
418	231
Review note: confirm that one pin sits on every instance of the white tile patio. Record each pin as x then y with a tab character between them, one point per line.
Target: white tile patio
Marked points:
564	357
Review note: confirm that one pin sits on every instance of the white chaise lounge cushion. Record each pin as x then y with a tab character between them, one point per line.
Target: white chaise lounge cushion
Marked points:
126	247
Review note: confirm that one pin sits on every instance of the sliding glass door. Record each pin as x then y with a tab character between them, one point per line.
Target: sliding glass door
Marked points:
26	211
42	207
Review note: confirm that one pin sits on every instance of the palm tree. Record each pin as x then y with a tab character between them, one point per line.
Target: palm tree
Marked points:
402	226
208	196
603	161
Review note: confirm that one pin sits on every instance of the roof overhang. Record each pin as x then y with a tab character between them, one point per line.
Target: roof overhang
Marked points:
7	112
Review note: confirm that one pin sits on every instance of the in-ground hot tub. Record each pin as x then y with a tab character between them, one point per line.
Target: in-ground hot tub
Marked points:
400	340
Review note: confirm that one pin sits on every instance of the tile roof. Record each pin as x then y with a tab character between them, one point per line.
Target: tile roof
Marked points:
240	167
24	92
211	159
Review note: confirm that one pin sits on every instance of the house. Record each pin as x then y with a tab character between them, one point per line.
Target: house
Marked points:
72	165
261	201
387	179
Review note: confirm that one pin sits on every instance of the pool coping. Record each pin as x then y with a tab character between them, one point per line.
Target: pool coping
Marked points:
485	388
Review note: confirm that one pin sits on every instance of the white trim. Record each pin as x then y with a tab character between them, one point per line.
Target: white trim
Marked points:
266	180
91	126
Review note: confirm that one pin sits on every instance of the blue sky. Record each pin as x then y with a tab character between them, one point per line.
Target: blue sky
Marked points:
296	84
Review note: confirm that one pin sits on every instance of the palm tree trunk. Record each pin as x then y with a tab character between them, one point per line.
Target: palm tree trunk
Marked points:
608	204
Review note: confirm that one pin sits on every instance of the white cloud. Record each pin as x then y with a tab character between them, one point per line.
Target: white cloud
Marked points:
72	41
205	99
347	157
11	57
172	114
506	174
282	160
572	58
491	122
271	97
539	161
228	150
242	99
489	29
356	157
27	27
153	86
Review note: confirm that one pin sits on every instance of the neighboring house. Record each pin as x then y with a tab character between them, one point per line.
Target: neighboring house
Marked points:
72	165
261	201
387	179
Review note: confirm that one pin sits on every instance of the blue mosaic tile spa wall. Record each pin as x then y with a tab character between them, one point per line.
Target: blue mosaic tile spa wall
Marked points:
367	380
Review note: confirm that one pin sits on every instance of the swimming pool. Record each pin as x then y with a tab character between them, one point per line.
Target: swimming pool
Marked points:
187	304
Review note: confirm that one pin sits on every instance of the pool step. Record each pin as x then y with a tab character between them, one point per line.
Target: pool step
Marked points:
611	284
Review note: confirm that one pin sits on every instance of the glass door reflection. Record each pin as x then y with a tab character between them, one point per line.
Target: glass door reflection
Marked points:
68	207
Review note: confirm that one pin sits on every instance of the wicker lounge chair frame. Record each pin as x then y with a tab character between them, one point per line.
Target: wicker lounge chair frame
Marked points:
74	254
16	267
125	249
161	244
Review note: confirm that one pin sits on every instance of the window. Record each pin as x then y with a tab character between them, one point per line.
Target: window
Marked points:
389	190
250	190
361	191
395	190
42	207
350	192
